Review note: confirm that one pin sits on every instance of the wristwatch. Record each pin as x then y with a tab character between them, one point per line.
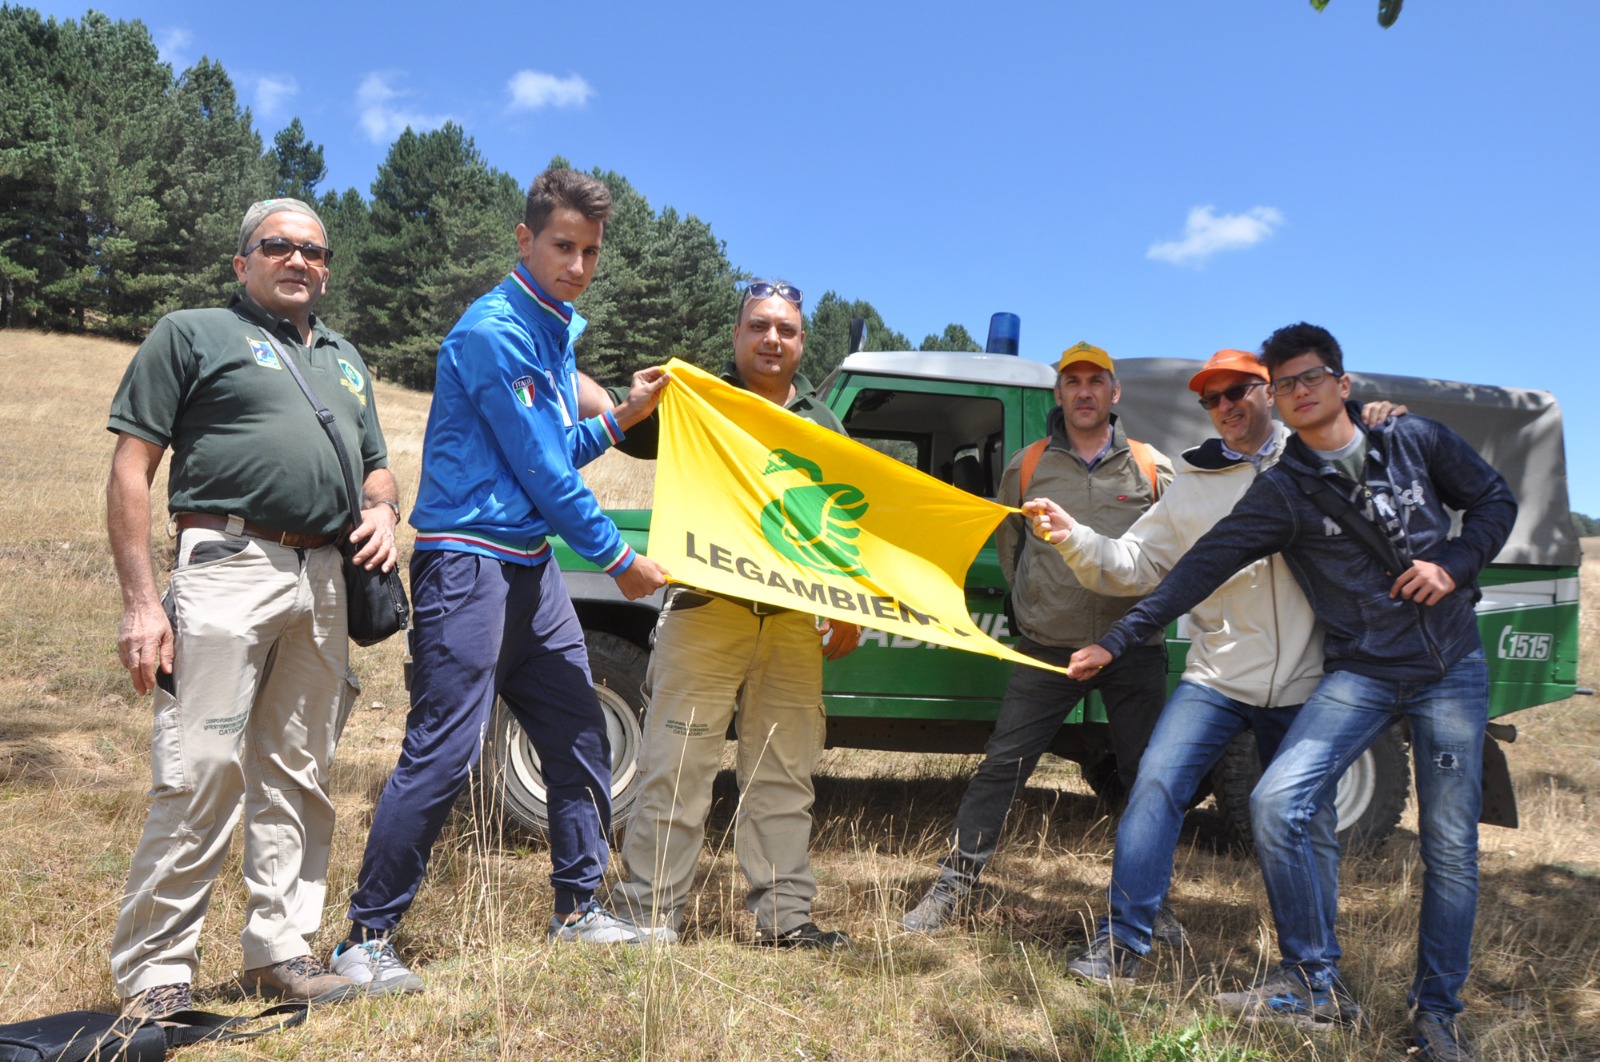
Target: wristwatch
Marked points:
391	504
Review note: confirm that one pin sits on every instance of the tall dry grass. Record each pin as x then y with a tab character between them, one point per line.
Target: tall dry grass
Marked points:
73	769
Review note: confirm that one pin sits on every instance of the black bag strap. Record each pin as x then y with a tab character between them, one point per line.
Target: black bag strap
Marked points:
325	418
1342	511
200	1026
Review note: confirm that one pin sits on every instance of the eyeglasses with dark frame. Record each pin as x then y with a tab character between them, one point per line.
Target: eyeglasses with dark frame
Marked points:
765	289
278	249
1234	394
1285	385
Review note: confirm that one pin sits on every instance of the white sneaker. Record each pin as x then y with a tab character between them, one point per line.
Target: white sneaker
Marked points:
375	967
599	926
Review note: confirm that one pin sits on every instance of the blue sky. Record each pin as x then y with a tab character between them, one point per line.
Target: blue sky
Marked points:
1162	178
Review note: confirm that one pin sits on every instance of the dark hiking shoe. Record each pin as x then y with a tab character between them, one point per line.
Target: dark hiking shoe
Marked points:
1437	1038
804	935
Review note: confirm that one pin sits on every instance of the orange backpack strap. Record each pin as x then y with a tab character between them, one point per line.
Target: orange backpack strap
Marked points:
1144	455
1030	461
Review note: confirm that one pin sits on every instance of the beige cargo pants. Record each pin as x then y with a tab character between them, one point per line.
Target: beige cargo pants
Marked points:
251	724
711	658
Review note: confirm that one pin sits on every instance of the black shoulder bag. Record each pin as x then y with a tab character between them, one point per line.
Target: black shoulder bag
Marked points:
376	602
85	1035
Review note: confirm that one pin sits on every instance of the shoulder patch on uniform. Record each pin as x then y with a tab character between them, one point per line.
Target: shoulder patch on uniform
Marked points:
522	387
353	381
265	355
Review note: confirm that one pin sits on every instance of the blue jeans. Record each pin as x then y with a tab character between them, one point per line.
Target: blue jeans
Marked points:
1341	719
1195	727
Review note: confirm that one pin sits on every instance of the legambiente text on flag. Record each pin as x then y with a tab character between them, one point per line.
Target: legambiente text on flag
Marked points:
756	502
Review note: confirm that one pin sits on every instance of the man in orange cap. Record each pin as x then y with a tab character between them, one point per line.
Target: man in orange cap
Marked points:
1086	463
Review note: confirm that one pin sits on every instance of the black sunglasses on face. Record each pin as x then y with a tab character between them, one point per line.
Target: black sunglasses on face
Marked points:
765	289
1233	394
278	249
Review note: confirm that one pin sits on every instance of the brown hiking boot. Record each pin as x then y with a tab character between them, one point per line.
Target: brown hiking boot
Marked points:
301	980
156	1003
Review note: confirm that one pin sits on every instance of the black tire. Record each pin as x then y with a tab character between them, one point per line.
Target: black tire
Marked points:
517	790
1371	796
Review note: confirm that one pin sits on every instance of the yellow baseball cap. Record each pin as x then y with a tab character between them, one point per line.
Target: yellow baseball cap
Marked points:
1085	352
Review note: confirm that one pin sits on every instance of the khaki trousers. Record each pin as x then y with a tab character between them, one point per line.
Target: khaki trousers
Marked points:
251	722
709	660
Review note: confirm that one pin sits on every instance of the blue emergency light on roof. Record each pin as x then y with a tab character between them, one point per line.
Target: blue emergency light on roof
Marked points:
1005	330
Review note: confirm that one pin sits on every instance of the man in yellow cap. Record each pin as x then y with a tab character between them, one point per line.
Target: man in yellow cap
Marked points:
1088	465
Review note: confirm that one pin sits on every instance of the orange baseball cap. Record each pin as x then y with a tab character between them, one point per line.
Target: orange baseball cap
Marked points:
1085	352
1228	361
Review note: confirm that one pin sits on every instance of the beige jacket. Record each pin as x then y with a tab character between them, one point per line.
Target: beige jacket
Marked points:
1051	605
1255	639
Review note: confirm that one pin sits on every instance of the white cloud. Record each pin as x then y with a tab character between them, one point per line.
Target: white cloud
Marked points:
172	44
533	89
273	92
1205	233
382	117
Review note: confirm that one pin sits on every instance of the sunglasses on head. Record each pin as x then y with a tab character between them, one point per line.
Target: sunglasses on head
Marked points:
765	289
278	249
1235	393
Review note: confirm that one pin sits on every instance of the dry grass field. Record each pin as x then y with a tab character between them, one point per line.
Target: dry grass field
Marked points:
74	768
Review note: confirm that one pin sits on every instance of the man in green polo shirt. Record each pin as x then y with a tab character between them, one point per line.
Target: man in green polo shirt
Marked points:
714	654
248	649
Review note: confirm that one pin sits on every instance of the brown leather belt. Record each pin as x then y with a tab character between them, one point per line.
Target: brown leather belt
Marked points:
234	526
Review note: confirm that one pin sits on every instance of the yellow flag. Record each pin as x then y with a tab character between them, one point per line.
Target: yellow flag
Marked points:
756	502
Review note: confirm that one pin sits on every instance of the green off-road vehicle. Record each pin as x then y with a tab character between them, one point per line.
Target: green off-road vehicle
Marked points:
960	417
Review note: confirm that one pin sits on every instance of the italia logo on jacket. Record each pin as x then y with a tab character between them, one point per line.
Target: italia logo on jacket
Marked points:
522	387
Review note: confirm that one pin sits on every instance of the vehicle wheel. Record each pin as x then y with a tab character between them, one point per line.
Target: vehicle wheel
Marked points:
1370	798
618	667
1102	778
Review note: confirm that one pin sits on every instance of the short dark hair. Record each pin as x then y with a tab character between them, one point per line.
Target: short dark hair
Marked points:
1291	341
566	188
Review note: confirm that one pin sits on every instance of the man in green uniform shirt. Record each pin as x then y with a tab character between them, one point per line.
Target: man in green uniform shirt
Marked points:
250	652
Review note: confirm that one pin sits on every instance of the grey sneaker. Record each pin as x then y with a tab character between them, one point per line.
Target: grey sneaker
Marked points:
1168	931
1284	996
1106	962
1437	1038
375	966
155	1003
596	925
942	905
301	979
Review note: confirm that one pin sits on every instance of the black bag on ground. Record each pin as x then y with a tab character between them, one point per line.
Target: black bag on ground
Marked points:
93	1036
376	600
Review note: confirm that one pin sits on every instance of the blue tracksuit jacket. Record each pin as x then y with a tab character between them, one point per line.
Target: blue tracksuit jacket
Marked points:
504	443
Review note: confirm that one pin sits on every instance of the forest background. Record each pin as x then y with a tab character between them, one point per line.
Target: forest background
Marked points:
122	183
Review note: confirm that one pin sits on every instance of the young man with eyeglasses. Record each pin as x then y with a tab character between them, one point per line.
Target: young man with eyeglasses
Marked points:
721	659
1255	652
1088	464
1395	592
491	613
247	661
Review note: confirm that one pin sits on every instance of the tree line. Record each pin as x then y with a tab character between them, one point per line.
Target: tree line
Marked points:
122	185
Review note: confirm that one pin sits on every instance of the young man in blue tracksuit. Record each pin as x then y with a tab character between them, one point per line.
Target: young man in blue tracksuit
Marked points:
1401	641
492	616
